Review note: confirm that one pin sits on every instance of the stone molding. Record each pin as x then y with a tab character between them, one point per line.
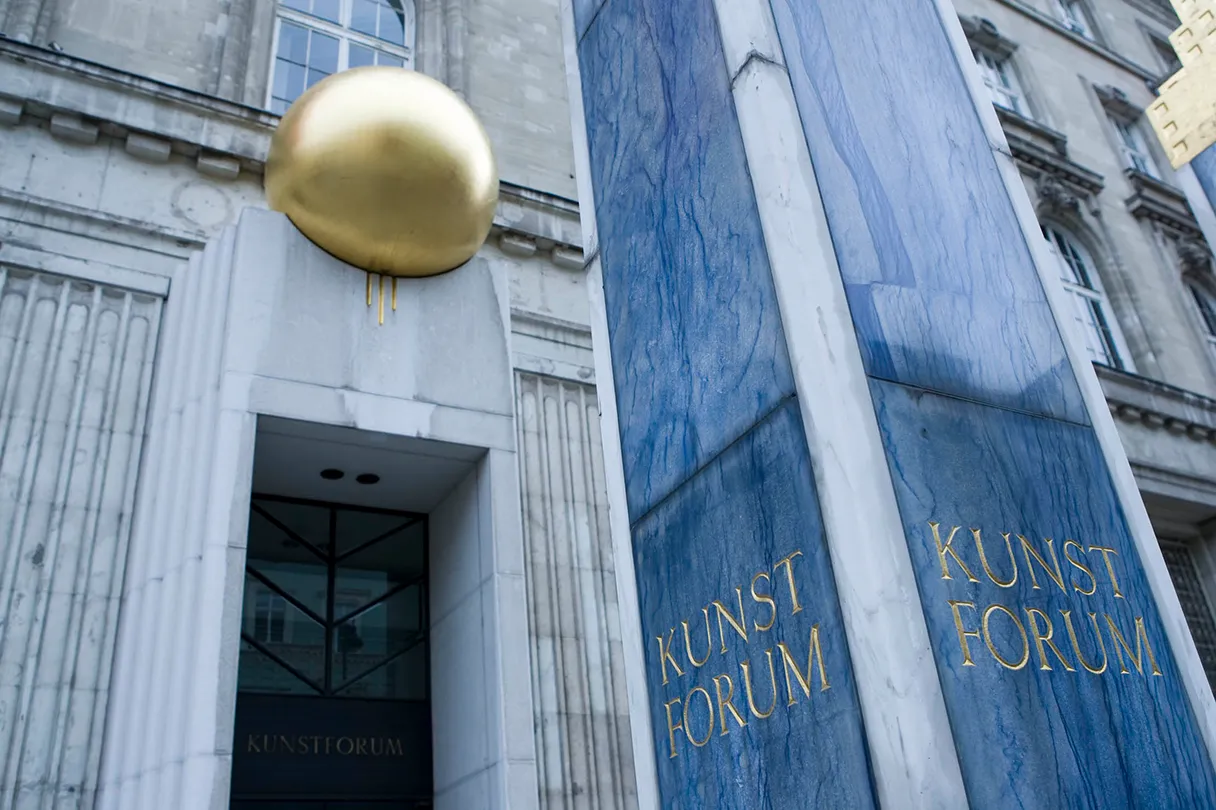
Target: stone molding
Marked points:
982	33
89	103
1155	405
1158	201
1042	152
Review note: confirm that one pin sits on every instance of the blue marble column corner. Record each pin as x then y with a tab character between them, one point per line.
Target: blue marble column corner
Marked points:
696	339
723	536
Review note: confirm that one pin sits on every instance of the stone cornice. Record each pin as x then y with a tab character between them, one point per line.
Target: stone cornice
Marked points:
88	103
1160	202
1158	406
1042	150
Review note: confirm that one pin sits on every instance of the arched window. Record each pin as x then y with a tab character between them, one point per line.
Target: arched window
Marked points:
1206	304
315	38
1079	274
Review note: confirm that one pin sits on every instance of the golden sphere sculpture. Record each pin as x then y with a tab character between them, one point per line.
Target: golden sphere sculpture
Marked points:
386	169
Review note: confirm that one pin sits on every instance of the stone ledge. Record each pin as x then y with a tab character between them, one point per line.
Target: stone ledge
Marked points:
1158	406
90	103
1158	201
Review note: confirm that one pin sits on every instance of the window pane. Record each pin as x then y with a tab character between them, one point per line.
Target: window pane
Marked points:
327	10
356	527
392	25
298	5
389	59
323	55
384	631
291	82
293	43
364	14
361	56
260	673
279	106
315	76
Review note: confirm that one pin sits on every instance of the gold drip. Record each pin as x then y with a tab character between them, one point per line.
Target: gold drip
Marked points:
381	300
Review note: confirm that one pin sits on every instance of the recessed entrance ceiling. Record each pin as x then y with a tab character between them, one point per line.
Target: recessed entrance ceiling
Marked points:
413	474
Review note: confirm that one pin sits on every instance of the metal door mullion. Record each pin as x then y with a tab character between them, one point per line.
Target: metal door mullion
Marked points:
251	641
296	603
418	638
330	594
382	598
412	522
281	526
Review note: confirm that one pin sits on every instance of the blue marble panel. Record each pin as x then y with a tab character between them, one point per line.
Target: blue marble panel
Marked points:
728	528
1204	166
584	13
940	281
697	344
1072	718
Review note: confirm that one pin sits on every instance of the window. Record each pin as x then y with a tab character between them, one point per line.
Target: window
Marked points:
1072	14
316	38
1167	55
1001	81
1135	150
1206	305
1195	607
269	617
1078	273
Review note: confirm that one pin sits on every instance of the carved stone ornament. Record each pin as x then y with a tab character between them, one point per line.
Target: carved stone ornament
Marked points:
1055	196
1194	258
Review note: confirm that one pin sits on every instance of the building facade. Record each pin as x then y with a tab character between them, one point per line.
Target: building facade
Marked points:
133	133
1070	80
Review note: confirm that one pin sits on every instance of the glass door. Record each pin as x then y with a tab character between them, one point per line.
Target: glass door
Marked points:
333	706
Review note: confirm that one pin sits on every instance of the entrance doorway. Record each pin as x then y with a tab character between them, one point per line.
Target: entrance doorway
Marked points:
333	694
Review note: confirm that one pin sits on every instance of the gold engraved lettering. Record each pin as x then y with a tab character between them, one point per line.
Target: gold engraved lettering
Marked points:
377	750
329	741
788	562
709	704
787	659
764	599
1080	566
288	744
1057	576
269	743
665	655
1013	563
395	748
724	703
1040	639
1120	642
747	685
350	746
361	747
1110	569
1021	662
672	729
945	548
709	643
740	625
963	635
1076	647
251	746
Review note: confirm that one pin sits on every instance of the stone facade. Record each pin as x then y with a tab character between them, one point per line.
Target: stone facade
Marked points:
132	134
1149	240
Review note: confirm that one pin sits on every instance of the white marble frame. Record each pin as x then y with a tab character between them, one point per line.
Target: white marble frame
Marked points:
645	765
169	732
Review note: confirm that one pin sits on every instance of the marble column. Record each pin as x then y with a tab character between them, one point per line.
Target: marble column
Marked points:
1204	166
848	440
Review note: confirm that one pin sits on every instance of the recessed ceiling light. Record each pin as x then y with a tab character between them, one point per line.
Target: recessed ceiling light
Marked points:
331	474
368	478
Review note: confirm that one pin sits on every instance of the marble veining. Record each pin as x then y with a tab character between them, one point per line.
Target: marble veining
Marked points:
729	527
1073	717
696	335
940	281
1204	166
